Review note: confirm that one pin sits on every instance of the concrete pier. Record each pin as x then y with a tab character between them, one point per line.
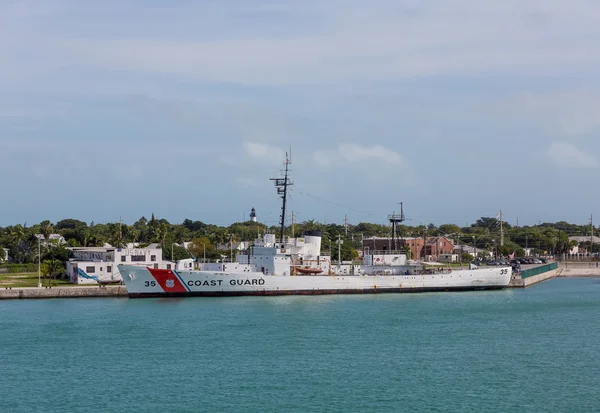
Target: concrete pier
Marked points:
63	292
534	274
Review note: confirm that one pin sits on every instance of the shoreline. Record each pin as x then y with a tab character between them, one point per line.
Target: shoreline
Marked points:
7	293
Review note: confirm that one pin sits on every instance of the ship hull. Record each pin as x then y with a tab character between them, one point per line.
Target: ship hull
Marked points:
311	292
145	282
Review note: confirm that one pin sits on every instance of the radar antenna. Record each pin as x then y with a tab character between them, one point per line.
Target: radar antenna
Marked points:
282	185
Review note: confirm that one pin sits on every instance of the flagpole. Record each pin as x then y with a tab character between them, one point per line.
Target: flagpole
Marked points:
39	263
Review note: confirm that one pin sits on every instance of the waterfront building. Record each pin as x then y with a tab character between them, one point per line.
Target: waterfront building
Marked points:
91	265
428	248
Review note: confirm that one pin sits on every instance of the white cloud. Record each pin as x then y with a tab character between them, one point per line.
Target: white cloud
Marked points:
356	154
567	155
264	152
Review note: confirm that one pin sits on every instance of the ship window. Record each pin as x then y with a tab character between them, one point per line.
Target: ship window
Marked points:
109	268
90	270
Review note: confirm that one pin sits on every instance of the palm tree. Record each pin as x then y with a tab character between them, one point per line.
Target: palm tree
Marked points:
84	234
51	269
16	233
115	237
133	233
47	230
164	230
310	225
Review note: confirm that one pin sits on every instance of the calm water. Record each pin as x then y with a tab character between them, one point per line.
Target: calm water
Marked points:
533	350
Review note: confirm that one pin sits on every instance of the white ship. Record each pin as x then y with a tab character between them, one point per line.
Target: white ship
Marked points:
294	265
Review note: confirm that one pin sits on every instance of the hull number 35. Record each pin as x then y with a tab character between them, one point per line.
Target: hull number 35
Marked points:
502	272
150	283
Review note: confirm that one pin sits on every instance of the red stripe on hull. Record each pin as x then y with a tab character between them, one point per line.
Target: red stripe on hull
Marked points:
308	292
167	280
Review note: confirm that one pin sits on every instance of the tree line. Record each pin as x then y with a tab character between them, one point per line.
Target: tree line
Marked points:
204	238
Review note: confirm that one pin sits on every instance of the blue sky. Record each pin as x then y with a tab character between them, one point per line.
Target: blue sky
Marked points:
457	108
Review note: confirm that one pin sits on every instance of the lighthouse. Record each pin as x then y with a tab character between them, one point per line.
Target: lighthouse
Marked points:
253	215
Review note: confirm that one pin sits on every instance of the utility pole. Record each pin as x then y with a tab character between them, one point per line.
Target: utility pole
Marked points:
424	243
120	231
592	234
346	223
339	241
501	231
526	252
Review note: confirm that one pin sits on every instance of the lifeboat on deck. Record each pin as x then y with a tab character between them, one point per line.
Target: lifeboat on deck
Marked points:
309	271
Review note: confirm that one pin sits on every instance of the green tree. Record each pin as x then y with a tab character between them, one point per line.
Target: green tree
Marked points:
179	253
47	229
163	231
115	234
51	269
348	252
59	253
201	247
449	229
16	234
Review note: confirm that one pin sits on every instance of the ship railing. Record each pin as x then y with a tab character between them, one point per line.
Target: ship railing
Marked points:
385	252
430	271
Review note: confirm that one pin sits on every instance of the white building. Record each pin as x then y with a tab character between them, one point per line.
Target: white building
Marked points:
468	249
91	265
448	258
577	249
4	258
236	246
53	238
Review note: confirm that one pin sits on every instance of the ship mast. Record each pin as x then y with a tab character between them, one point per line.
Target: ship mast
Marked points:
396	220
282	184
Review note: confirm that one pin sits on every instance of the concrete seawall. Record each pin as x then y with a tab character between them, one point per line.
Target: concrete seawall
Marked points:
64	292
579	269
535	275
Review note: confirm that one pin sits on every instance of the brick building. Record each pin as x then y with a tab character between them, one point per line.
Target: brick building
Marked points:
419	247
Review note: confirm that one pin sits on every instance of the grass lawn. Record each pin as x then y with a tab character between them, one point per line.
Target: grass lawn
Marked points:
28	279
